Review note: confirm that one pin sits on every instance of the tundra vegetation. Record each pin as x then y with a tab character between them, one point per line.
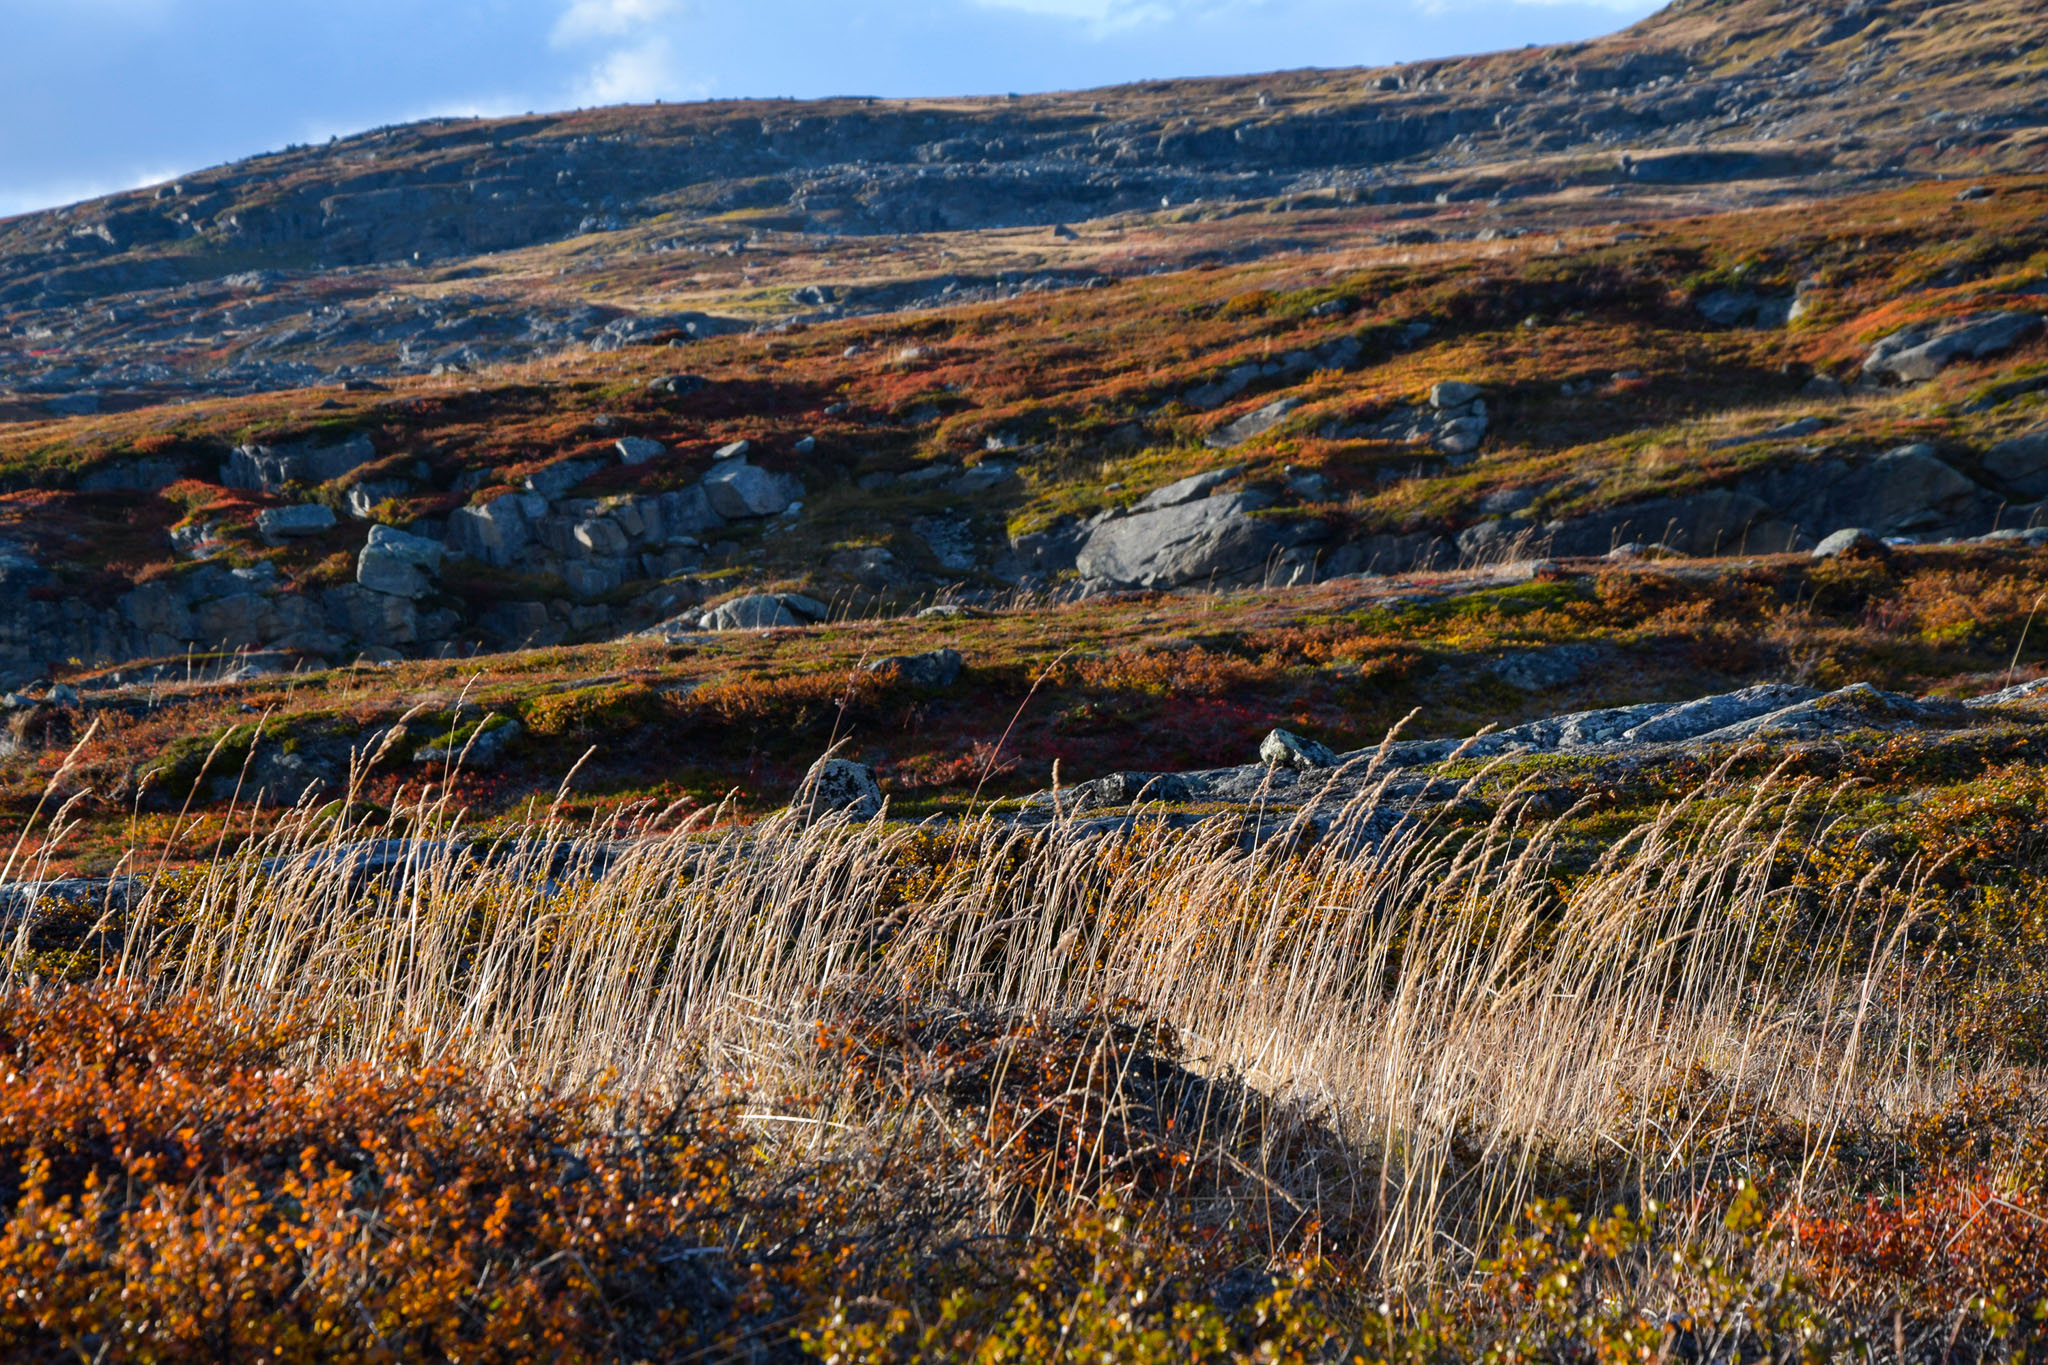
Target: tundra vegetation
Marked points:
1436	750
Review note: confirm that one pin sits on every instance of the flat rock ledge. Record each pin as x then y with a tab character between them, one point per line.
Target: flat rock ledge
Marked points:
1770	712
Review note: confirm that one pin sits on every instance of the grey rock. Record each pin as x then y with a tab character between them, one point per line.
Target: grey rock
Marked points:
1221	390
1194	486
1285	749
279	779
1704	715
1256	423
82	404
553	480
382	572
1452	393
496	532
734	450
370	618
601	536
268	469
950	540
2020	463
872	566
1211	540
1719	521
396	563
807	608
936	668
837	786
1538	670
305	519
482	749
419	550
362	499
1734	307
755	611
688	513
740	490
639	450
1858	706
131	476
982	478
1850	540
1127	789
1926	349
1909	489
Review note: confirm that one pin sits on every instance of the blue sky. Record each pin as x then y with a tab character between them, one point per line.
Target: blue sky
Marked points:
100	95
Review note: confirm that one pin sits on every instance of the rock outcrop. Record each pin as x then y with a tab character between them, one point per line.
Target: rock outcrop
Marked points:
1216	540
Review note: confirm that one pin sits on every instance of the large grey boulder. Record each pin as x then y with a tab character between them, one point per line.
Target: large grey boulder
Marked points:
267	468
837	785
1925	349
397	563
1285	749
286	523
1909	489
761	610
2020	463
739	490
1211	540
1853	541
1256	423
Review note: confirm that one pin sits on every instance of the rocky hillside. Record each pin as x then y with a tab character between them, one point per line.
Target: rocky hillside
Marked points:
470	387
1749	382
456	243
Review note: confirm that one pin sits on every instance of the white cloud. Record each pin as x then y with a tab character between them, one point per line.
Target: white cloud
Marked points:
589	19
638	61
633	75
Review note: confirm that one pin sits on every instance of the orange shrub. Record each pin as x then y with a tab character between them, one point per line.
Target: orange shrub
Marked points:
173	1189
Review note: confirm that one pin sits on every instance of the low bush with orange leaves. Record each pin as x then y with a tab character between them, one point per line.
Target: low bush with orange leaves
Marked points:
175	1186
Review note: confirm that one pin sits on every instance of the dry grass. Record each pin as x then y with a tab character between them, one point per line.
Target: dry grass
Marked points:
1425	1021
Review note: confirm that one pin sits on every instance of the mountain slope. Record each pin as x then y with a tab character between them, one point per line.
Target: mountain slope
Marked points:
287	268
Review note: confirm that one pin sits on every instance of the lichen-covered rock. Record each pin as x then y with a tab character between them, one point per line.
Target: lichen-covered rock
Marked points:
1211	540
838	785
937	668
761	610
1926	349
1285	749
